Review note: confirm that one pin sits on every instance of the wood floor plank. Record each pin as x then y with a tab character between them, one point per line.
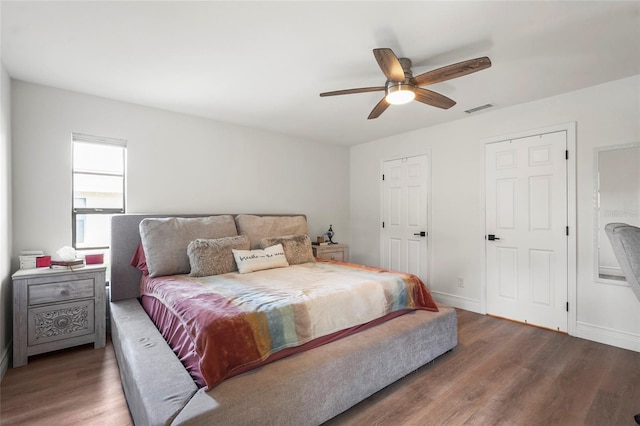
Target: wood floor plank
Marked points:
489	381
501	373
515	374
621	382
605	410
75	386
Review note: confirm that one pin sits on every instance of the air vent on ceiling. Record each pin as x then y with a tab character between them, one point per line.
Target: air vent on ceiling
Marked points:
480	108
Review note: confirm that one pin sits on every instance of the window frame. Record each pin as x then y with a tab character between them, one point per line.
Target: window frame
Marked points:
83	138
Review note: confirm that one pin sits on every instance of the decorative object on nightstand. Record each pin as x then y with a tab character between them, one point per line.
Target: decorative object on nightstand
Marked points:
335	251
57	308
30	259
94	259
67	264
330	234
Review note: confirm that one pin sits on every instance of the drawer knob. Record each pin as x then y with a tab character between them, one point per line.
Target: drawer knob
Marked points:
64	292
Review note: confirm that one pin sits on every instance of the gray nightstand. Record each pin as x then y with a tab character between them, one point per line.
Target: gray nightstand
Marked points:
57	308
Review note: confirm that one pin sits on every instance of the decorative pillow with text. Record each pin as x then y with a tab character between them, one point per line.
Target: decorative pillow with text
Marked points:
258	260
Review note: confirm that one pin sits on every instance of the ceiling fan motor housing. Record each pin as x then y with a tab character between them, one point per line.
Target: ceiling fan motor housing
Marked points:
406	67
401	92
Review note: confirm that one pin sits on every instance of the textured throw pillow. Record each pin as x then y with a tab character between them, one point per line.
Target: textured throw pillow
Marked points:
259	227
165	240
214	257
297	248
257	260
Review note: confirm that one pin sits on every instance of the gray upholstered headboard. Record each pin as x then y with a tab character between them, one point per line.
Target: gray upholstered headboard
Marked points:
125	238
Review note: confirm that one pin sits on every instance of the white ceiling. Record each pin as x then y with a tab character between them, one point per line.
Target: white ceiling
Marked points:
263	64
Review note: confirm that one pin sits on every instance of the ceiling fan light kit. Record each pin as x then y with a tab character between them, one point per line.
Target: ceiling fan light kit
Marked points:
399	93
402	87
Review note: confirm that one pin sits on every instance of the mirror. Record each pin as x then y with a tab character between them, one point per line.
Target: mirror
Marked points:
617	199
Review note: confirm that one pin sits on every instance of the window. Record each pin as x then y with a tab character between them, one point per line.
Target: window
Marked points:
98	182
79	202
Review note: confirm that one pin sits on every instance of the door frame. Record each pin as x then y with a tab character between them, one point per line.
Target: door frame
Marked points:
570	129
428	175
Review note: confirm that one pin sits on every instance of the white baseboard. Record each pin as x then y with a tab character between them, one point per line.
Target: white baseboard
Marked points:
596	333
4	361
456	301
608	336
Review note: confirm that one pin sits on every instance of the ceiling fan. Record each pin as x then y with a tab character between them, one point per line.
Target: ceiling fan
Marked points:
402	87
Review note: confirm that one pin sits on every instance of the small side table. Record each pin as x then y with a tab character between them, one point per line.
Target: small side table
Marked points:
57	308
331	252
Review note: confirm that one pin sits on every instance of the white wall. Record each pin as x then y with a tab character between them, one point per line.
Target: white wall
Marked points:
605	115
176	164
5	219
179	163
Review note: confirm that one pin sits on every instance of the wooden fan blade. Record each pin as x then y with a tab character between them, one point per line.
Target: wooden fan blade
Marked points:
378	109
350	91
451	71
434	99
389	64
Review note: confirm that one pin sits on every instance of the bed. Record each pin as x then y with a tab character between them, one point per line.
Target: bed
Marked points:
305	388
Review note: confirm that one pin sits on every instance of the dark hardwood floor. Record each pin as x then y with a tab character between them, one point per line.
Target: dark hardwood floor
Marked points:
501	373
76	386
504	373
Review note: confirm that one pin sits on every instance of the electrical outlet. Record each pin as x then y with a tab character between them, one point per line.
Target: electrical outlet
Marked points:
461	282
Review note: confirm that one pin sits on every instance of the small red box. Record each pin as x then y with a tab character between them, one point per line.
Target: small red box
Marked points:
43	261
94	259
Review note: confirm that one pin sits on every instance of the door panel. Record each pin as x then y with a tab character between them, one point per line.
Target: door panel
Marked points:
540	203
404	214
541	276
526	209
506	208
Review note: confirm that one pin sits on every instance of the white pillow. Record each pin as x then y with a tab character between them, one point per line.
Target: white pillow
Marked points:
257	260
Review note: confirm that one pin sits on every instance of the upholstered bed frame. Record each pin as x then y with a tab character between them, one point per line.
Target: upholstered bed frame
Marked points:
304	389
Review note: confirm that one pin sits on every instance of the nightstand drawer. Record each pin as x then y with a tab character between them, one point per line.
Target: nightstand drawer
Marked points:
61	291
331	252
58	322
332	255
